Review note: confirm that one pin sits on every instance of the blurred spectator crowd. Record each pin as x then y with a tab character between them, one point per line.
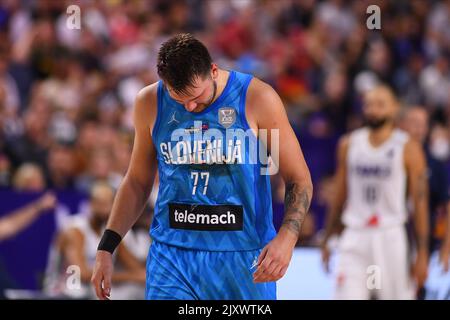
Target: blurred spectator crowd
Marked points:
66	95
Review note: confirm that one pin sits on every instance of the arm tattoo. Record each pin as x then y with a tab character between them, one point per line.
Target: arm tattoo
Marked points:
296	205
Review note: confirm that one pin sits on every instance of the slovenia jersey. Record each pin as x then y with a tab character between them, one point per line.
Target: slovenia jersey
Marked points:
212	193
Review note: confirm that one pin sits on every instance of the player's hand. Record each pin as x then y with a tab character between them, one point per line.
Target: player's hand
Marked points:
420	269
444	256
274	259
325	256
101	277
46	202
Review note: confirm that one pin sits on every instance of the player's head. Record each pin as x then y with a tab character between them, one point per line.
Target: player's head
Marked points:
415	122
29	177
101	200
187	70
380	107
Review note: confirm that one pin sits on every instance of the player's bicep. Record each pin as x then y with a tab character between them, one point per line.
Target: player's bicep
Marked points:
282	142
143	157
415	164
291	160
340	178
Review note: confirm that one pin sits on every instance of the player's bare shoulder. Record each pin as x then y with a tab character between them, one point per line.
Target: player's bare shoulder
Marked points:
344	142
261	95
412	146
262	102
342	149
413	153
145	109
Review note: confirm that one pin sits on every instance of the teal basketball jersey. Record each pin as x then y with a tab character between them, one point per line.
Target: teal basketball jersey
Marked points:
212	194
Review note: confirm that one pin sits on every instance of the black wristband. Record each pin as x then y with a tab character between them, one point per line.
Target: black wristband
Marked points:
110	240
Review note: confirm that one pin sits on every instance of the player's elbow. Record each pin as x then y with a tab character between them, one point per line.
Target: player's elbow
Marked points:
305	179
136	184
307	183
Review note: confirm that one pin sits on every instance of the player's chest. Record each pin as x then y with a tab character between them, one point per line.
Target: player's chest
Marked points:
368	164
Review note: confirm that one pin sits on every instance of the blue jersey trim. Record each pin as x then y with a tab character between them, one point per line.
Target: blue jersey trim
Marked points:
242	101
256	169
256	172
159	97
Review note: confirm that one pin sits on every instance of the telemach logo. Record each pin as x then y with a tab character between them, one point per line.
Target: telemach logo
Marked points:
206	217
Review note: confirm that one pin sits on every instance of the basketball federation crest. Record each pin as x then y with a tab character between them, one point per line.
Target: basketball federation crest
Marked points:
227	116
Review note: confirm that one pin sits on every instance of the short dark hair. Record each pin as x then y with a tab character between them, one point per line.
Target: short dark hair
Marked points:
181	59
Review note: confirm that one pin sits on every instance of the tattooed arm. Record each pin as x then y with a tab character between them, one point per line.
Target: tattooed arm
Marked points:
296	205
135	187
415	164
265	110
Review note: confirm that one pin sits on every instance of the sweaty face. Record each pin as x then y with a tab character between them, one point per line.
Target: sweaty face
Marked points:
198	96
379	108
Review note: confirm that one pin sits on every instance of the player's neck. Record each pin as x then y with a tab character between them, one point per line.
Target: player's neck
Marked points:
378	136
222	80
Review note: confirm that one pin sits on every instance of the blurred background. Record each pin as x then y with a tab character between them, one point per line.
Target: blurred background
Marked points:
66	98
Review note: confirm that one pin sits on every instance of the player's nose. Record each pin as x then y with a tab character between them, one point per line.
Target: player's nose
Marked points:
190	106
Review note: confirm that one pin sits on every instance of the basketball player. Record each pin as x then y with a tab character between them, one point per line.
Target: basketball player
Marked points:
213	236
378	165
416	123
77	244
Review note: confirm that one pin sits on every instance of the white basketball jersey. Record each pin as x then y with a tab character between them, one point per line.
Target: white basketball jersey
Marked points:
91	238
376	181
57	273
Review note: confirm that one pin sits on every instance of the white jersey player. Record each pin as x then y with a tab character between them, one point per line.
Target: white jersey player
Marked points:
379	167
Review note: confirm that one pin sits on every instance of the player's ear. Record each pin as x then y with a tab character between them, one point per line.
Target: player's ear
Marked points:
214	71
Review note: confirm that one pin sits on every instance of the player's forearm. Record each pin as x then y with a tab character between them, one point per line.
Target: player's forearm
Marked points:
419	188
127	276
85	274
18	220
334	214
127	259
333	219
128	205
421	223
296	205
117	277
